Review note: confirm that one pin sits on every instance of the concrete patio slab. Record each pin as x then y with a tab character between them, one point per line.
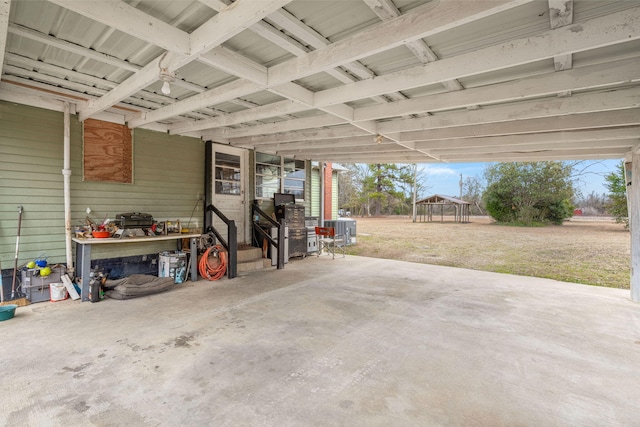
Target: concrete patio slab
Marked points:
351	341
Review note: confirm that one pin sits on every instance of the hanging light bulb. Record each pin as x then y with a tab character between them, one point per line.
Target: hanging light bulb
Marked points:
166	76
166	88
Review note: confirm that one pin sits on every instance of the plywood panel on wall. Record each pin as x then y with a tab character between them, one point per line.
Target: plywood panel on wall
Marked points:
108	152
167	186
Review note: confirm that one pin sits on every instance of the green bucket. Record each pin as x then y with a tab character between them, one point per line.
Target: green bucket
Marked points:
7	311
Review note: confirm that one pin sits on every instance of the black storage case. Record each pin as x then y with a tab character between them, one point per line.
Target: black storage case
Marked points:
134	220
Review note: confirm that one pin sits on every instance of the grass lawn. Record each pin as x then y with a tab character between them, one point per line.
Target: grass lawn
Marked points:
589	251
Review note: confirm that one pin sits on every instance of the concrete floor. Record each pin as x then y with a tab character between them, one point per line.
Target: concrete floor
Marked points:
351	341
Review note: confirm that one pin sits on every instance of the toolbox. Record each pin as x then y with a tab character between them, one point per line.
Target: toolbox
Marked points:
36	287
134	220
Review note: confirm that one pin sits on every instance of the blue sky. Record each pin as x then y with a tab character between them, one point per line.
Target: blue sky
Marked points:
444	178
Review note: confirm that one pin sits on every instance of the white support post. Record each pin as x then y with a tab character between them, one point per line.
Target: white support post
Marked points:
66	173
633	198
415	191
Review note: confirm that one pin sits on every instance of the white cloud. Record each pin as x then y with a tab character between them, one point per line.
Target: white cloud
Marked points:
439	170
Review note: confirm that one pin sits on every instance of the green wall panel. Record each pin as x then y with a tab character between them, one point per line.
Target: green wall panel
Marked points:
168	178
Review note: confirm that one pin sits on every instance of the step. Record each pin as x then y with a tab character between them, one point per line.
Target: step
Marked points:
249	266
249	254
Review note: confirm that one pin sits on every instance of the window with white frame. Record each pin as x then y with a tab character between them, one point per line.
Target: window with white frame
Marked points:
268	172
275	174
294	177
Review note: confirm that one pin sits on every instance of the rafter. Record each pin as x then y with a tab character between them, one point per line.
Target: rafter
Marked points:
468	153
335	132
386	10
284	126
541	155
540	146
579	79
450	15
357	141
418	23
4	27
562	136
612	29
583	103
47	39
606	137
561	14
237	65
82	83
597	120
221	27
577	104
119	15
254	73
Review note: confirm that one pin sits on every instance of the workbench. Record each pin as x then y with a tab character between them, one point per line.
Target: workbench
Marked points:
83	253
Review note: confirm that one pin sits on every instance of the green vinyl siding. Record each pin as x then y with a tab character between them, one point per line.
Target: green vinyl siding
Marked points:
168	177
315	192
334	195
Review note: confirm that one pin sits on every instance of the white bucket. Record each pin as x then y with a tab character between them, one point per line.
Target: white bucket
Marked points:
58	292
174	265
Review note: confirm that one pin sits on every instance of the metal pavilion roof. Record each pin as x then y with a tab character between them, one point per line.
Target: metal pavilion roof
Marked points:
345	80
440	199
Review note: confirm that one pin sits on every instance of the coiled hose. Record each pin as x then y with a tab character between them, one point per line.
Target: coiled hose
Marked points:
213	263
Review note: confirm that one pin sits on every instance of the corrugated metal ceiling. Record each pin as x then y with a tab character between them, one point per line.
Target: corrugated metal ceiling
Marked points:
463	46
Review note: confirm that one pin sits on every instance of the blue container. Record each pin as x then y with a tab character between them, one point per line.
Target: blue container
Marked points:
7	311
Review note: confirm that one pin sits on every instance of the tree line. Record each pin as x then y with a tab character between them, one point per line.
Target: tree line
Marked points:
526	193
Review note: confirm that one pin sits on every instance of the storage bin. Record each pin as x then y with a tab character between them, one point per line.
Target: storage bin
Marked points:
36	287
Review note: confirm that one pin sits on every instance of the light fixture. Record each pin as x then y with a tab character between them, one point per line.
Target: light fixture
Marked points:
378	139
166	76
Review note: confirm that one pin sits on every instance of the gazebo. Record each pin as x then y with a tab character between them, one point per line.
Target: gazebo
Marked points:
461	208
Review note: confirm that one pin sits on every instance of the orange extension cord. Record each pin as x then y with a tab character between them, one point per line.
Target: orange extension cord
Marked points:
211	271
